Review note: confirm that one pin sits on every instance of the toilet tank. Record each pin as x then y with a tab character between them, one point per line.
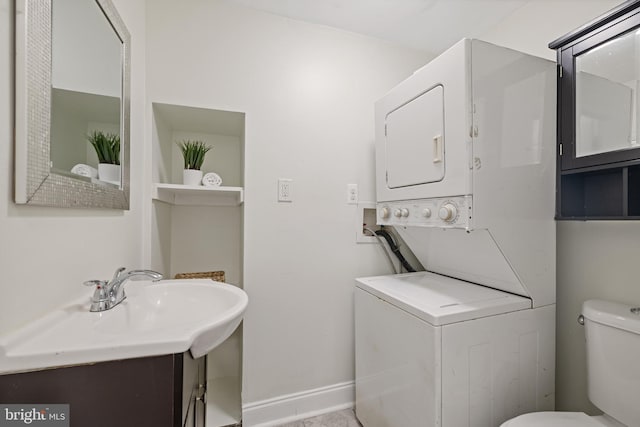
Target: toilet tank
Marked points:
613	358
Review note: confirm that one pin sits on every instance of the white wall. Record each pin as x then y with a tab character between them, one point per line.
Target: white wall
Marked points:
595	259
308	93
533	26
46	253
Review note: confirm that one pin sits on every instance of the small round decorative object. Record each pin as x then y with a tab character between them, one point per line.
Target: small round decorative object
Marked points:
211	179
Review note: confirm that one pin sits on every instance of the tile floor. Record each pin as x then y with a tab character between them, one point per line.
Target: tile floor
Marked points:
344	418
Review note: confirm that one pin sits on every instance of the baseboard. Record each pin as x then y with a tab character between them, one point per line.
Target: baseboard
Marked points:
297	406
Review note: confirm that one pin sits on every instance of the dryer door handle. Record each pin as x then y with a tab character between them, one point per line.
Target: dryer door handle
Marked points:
437	149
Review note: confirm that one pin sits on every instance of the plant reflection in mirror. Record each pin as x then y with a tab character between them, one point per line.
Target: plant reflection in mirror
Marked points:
107	146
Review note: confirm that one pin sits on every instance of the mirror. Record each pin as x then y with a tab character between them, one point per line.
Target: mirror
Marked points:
72	91
606	84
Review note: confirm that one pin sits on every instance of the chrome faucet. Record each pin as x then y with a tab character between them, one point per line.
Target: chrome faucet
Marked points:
108	294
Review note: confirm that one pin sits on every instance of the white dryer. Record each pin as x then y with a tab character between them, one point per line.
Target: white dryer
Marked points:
465	172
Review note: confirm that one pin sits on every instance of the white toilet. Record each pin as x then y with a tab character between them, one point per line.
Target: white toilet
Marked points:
613	369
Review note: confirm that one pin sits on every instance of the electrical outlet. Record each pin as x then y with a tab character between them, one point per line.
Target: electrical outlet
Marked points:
285	190
352	194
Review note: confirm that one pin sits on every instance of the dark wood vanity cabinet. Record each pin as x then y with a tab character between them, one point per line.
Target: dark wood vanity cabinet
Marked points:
146	392
598	163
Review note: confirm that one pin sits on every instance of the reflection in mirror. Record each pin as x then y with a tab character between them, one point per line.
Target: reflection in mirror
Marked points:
86	85
606	82
72	80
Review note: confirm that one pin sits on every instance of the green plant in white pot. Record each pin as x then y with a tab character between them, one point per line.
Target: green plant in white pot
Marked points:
107	146
193	153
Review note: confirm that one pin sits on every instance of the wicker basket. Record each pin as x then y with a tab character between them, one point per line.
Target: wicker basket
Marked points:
218	276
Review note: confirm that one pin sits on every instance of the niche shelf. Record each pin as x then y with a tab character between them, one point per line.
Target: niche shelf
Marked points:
198	228
188	195
221	408
220	129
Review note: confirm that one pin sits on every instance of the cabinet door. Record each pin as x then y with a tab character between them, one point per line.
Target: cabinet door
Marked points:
599	97
201	394
193	390
200	411
141	392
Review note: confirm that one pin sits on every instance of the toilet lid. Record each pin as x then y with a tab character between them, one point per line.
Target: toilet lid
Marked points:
555	419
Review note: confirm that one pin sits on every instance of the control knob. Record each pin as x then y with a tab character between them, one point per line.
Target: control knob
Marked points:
426	213
385	213
448	212
397	213
404	212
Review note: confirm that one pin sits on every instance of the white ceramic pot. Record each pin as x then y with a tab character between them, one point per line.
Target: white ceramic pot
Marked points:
109	173
191	177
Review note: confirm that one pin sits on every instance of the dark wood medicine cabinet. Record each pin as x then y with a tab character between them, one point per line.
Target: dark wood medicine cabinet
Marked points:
598	163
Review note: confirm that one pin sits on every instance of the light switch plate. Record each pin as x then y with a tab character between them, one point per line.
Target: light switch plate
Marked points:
285	187
352	194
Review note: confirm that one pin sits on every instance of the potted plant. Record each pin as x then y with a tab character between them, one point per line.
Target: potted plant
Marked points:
193	153
107	146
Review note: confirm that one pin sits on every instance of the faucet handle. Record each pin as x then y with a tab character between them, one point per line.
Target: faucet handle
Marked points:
98	283
99	297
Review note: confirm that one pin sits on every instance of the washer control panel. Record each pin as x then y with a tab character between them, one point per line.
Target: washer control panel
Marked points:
451	212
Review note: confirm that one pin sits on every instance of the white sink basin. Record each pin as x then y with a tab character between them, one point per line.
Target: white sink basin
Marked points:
170	316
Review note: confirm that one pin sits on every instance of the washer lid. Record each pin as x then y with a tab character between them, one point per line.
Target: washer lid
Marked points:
555	419
441	300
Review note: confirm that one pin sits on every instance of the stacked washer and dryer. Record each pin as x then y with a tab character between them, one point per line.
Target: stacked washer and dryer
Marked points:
465	170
